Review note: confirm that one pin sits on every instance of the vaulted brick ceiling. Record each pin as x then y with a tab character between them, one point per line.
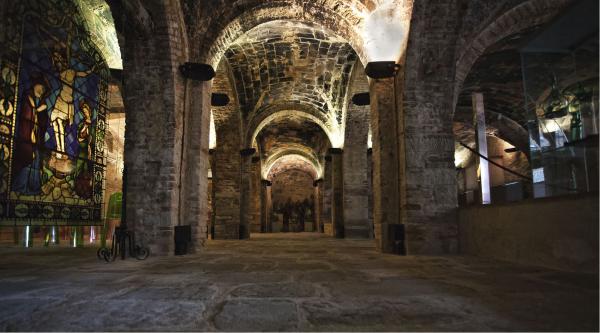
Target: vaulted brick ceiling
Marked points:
286	68
292	135
497	74
292	162
283	62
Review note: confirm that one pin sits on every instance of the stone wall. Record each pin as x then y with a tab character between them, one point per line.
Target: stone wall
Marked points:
560	233
294	185
293	191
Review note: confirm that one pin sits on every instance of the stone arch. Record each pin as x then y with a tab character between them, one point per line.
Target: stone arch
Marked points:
280	112
517	18
312	166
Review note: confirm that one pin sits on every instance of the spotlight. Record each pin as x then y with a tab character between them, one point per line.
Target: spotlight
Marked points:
197	71
361	99
217	99
381	69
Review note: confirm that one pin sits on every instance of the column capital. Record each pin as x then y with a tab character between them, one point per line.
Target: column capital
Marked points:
255	159
247	151
211	151
316	182
369	151
266	182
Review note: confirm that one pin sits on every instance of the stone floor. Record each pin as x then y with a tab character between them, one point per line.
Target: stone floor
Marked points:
287	282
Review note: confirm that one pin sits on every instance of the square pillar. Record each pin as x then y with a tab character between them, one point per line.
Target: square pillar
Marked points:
245	185
482	148
385	157
265	211
318	184
326	195
337	186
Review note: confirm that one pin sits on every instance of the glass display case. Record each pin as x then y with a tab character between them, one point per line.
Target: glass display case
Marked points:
561	92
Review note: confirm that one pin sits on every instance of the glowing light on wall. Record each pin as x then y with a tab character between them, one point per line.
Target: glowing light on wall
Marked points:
461	156
212	136
92	235
27	236
53	235
385	30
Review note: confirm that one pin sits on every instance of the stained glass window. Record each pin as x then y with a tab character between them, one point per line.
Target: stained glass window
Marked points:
53	102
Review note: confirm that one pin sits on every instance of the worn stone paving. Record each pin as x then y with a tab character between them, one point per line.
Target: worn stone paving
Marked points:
287	282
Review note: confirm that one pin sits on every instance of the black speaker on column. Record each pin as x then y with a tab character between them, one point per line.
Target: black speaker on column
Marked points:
397	236
183	237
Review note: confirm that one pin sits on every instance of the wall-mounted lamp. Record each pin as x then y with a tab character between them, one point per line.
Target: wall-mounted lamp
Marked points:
381	69
197	71
361	99
217	99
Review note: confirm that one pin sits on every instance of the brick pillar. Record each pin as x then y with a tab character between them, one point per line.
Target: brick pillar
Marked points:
326	198
255	196
194	180
356	191
226	186
265	211
318	184
337	186
211	194
245	185
386	199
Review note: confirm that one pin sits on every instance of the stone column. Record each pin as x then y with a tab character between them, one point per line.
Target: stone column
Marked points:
386	198
356	191
425	90
326	198
195	163
255	196
211	195
245	185
318	184
482	148
337	185
265	212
